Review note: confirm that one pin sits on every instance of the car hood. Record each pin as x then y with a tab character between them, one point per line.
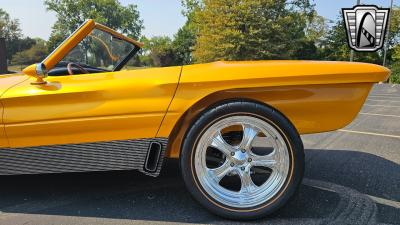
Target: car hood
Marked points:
9	80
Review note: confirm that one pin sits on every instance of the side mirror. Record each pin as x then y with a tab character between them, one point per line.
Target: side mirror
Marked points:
38	71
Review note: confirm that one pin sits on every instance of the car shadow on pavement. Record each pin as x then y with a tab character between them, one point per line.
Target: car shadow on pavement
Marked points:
334	191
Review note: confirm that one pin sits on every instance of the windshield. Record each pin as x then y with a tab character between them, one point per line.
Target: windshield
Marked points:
101	50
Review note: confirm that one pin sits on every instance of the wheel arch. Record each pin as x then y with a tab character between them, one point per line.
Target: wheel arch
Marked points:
193	112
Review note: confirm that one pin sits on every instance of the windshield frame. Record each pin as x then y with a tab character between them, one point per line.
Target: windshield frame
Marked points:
78	35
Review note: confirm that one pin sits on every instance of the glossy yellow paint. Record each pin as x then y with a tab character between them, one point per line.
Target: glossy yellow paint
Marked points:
10	80
163	102
315	96
3	136
88	108
6	83
30	70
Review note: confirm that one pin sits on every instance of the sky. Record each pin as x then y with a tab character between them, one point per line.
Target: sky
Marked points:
161	17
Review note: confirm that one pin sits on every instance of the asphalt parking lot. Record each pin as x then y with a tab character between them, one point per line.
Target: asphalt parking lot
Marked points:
352	177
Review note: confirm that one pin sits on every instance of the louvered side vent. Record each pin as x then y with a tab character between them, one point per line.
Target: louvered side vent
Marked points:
99	156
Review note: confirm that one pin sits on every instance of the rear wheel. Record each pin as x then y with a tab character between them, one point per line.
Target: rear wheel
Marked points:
242	160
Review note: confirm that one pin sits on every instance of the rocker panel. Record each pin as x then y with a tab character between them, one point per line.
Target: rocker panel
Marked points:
98	156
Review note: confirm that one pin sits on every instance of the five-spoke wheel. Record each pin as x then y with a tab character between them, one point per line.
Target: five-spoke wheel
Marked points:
260	160
242	160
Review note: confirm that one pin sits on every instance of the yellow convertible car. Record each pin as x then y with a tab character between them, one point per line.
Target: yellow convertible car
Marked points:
234	126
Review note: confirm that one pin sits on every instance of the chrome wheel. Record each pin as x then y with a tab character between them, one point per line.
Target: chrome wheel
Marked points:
241	161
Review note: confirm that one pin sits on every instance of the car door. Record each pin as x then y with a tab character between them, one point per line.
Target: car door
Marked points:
89	108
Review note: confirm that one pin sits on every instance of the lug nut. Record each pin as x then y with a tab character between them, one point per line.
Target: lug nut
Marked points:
232	153
244	151
232	164
242	168
249	160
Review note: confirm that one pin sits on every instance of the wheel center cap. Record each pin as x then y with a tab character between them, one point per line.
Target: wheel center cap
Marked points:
240	157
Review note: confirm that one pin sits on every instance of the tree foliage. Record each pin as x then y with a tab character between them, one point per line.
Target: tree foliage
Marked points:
394	38
72	13
159	52
164	51
10	30
394	46
215	30
190	7
251	29
395	77
183	43
33	55
335	46
316	28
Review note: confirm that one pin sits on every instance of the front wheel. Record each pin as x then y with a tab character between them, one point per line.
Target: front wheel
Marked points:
242	160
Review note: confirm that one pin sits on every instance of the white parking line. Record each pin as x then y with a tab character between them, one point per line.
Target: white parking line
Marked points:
370	133
377	114
377	93
384	106
381	100
385	97
384	201
382	94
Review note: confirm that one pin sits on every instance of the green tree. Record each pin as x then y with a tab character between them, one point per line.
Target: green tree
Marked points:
251	29
316	28
396	53
394	46
394	38
9	28
11	31
33	55
186	37
159	52
395	77
184	41
393	54
72	13
335	47
191	6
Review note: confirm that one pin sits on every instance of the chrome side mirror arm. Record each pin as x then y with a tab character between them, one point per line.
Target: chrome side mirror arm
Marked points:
41	73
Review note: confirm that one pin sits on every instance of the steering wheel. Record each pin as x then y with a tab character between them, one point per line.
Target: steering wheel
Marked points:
71	72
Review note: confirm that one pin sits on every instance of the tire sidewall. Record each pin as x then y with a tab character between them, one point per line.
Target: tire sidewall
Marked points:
243	108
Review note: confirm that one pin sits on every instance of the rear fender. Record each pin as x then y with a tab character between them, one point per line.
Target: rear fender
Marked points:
310	108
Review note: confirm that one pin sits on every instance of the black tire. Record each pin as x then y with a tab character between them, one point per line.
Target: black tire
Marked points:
260	111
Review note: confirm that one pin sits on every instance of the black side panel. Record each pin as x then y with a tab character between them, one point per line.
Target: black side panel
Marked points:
99	156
